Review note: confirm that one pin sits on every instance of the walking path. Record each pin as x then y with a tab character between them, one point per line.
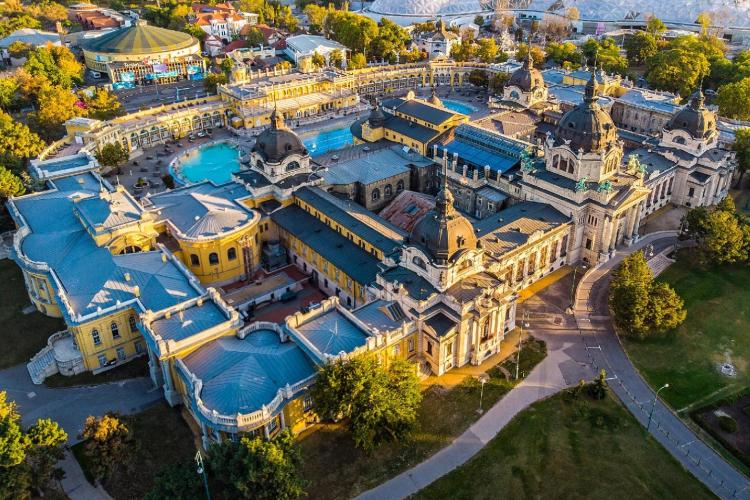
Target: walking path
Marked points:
605	351
75	484
562	367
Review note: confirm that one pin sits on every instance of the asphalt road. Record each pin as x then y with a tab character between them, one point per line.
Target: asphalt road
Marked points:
154	95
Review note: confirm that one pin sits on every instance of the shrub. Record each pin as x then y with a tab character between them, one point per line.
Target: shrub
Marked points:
727	424
168	181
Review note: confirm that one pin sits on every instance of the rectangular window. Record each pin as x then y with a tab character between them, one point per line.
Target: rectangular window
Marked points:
588	243
308	402
429	347
449	349
121	353
411	345
273	424
138	347
96	337
691	192
102	360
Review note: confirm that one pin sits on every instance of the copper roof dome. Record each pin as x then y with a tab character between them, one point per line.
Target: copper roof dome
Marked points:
443	232
278	142
587	126
694	118
527	77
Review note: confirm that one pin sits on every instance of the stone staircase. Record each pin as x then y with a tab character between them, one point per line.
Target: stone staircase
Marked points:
659	263
42	365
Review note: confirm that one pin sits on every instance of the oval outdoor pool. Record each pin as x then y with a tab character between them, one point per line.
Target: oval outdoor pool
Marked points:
329	140
214	162
459	107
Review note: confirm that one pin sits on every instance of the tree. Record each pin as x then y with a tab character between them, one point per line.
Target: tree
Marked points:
336	58
465	50
8	97
103	104
498	82
16	22
606	54
734	100
655	26
211	80
56	105
108	445
112	154
640	46
598	389
27	458
640	306
379	404
55	64
318	60
357	61
705	21
725	239
19	49
741	148
177	481
479	78
226	65
695	223
256	468
676	70
255	37
573	14
487	50
537	54
17	141
562	53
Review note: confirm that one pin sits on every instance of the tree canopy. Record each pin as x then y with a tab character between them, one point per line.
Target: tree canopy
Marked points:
741	148
734	99
108	444
641	306
57	65
379	404
641	46
723	234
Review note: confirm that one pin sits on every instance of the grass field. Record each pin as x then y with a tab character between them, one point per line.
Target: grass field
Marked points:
162	438
336	469
717	327
570	448
23	335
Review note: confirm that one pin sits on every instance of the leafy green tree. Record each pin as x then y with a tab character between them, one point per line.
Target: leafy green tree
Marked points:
56	105
357	61
487	49
537	54
211	80
640	306
606	54
112	155
734	100
379	404
16	22
695	223
498	82
677	70
255	37
479	21
725	238
336	58
27	458
19	49
178	481
562	53
17	140
226	65
318	60
741	147
8	93
640	46
55	64
103	105
599	388
259	469
108	445
655	26
316	17
465	50
479	78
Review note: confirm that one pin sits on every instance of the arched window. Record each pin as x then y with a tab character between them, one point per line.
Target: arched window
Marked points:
115	330
292	165
679	140
95	336
375	194
556	161
388	190
131	323
419	262
400	186
213	258
194	260
232	254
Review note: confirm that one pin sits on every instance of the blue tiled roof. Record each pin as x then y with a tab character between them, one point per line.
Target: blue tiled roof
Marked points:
419	110
111	210
91	277
189	321
356	263
332	333
240	376
381	314
369	168
204	209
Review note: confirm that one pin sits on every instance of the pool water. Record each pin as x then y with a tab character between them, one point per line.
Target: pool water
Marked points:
458	107
328	141
215	162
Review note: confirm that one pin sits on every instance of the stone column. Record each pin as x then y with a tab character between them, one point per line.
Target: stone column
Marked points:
153	367
629	225
169	393
606	236
638	215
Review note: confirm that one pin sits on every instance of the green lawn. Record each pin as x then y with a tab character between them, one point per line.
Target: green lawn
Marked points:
163	438
23	335
336	469
570	448
717	325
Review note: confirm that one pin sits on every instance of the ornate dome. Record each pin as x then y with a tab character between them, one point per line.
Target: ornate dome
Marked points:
277	142
376	118
443	232
587	126
527	77
694	118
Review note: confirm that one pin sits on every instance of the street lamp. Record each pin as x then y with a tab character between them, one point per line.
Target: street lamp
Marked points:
483	379
653	404
201	470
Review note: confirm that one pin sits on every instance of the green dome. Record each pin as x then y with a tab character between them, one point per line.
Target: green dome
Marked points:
140	39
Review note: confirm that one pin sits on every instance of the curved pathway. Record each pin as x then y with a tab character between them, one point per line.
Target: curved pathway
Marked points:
604	350
563	367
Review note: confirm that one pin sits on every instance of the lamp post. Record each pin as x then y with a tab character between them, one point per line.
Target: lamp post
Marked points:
520	337
483	379
653	404
201	470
